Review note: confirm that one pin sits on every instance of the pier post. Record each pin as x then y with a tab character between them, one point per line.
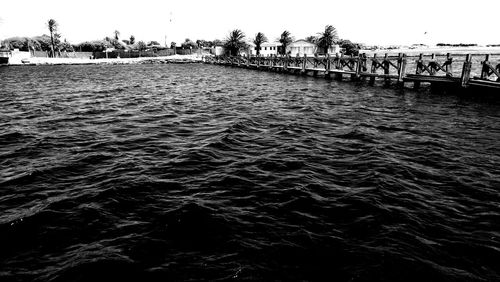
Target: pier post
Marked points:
327	66
432	65
420	64
464	80
304	63
352	65
258	60
485	67
248	61
373	69
448	67
386	65
315	65
361	65
401	69
338	66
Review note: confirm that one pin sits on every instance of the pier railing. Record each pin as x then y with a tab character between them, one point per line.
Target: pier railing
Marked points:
490	70
401	68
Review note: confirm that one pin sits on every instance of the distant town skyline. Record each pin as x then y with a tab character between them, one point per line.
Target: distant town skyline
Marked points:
383	22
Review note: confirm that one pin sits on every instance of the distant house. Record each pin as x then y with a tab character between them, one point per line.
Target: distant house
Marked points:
299	47
334	50
217	50
266	49
302	47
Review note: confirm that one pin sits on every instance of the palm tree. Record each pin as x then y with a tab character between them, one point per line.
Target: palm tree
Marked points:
312	39
259	39
117	34
201	43
52	25
285	40
234	42
327	38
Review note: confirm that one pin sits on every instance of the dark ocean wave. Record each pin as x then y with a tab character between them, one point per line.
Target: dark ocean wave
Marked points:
194	172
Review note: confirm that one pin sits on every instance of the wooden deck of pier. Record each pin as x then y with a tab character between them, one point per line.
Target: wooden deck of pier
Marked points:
387	68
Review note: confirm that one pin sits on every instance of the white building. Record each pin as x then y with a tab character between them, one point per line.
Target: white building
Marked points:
303	47
266	49
217	50
269	48
299	47
334	50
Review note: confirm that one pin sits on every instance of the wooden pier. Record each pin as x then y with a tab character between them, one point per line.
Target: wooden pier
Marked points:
432	70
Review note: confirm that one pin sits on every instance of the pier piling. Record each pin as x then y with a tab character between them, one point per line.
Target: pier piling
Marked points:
464	80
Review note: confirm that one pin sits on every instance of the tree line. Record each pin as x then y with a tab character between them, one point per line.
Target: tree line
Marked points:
52	43
235	43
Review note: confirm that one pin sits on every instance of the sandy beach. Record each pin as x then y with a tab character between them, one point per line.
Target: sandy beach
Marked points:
24	60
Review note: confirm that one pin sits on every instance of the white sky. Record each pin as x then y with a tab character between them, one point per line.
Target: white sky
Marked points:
380	22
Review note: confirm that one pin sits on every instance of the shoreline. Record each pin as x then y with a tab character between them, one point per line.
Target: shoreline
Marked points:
174	59
439	51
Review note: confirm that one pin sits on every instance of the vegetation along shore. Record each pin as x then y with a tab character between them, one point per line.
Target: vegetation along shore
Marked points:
115	49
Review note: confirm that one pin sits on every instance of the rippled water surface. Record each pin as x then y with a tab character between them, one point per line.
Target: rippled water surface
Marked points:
197	172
